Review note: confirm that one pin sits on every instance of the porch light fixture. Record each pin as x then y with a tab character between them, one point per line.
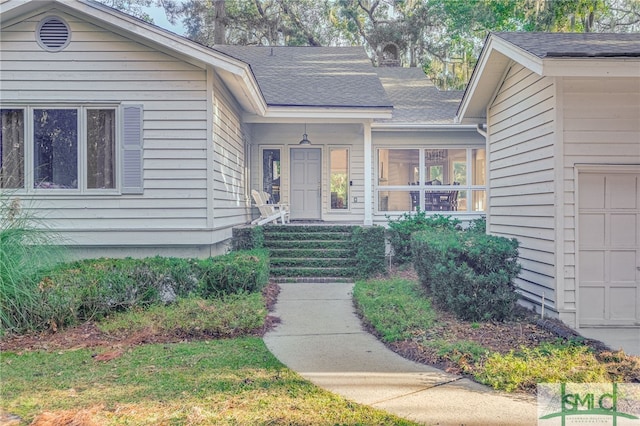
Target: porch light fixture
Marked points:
305	140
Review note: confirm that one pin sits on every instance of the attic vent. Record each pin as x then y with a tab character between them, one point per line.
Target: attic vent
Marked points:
53	34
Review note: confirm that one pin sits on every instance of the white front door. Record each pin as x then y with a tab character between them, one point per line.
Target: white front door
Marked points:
609	248
305	183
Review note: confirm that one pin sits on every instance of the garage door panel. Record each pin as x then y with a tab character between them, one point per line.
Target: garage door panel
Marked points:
596	235
592	303
624	232
609	248
621	190
623	266
624	299
592	191
592	266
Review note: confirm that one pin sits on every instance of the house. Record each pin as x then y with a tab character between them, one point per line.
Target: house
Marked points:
561	113
127	139
130	140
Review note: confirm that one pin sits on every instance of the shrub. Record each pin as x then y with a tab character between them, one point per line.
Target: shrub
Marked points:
400	231
247	238
478	226
549	363
236	272
27	248
369	247
467	273
90	289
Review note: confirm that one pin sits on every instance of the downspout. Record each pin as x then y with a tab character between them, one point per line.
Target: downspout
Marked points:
482	129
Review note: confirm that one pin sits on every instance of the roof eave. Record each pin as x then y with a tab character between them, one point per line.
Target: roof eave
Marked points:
282	114
392	127
494	59
595	66
234	73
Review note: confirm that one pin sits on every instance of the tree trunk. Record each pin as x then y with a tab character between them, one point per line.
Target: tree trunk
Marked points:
220	25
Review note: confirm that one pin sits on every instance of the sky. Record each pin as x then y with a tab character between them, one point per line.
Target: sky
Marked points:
160	19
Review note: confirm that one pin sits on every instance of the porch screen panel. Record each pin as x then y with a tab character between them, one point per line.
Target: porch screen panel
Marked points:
271	173
398	167
12	148
339	179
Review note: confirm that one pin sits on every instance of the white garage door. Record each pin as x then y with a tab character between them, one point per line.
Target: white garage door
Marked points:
609	248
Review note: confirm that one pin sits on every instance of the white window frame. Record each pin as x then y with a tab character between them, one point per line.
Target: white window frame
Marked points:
29	150
349	203
469	189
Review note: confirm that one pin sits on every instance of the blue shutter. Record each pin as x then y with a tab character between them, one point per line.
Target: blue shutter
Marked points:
132	149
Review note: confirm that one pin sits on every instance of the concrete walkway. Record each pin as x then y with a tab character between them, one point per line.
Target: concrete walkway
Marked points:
322	339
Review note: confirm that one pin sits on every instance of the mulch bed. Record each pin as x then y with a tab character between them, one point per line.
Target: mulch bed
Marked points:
527	330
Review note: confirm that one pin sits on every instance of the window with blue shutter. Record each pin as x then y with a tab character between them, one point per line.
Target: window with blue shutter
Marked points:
132	176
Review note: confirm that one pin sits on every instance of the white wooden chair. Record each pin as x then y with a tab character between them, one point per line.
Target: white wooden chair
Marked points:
269	212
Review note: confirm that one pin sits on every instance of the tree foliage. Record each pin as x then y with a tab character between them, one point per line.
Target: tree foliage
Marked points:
442	36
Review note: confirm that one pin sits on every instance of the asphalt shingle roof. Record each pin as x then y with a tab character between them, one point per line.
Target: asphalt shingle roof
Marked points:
577	45
313	76
416	99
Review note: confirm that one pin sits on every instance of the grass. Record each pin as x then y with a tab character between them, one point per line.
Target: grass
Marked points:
549	363
233	381
228	316
399	311
26	250
396	308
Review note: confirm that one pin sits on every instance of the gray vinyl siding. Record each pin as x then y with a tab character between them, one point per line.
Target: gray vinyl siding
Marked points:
100	67
229	188
324	136
601	125
522	176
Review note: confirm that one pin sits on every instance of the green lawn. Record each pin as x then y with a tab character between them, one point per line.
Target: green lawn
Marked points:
234	381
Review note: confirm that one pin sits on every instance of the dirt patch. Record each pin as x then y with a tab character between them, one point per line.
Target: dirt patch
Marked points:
88	335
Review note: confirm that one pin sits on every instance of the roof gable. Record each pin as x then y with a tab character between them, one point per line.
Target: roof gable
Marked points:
236	74
548	54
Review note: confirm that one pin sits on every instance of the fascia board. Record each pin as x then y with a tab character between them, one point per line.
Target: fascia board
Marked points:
287	114
495	57
524	58
394	127
591	67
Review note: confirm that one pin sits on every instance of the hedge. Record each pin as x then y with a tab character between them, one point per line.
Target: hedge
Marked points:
468	273
369	243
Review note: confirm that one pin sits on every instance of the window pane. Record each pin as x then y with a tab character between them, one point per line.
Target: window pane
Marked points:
339	179
438	201
478	163
398	166
271	173
396	201
101	148
55	140
446	166
479	201
12	148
